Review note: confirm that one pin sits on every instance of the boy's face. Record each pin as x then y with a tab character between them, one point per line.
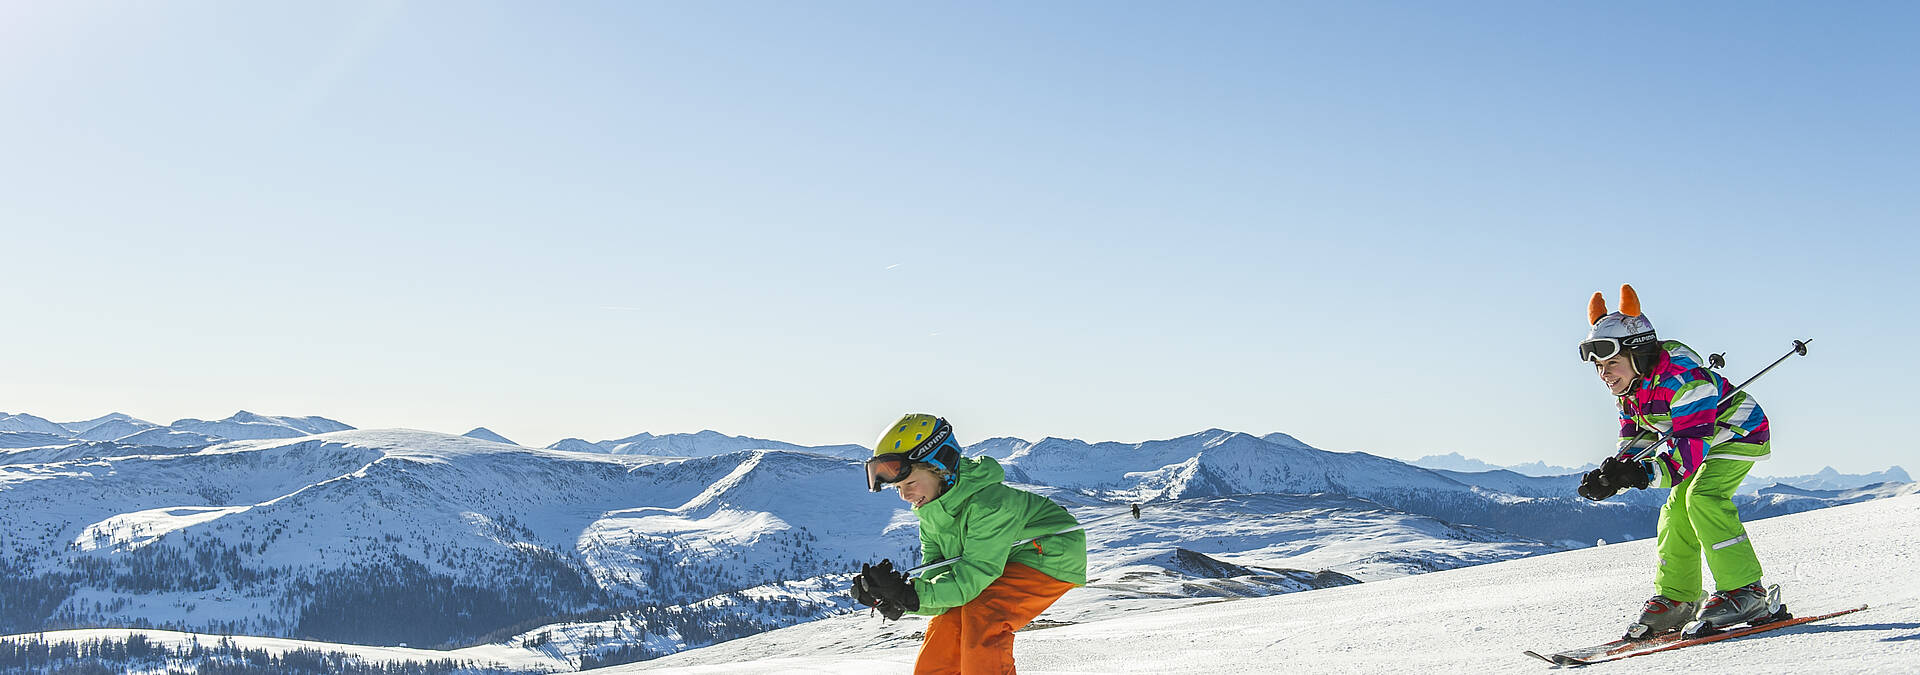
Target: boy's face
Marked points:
1616	373
920	487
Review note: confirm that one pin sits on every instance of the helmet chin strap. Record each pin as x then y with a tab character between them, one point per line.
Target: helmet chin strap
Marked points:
1633	383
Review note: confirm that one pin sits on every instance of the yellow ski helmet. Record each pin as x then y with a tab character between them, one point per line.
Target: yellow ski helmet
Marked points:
917	437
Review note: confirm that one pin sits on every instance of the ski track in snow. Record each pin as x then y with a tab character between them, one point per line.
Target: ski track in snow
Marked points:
1475	619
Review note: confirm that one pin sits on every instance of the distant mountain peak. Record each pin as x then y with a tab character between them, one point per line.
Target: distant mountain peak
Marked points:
1454	461
31	423
109	418
576	445
485	434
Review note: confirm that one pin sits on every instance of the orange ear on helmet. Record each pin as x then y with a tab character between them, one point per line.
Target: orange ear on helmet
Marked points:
1629	301
1596	308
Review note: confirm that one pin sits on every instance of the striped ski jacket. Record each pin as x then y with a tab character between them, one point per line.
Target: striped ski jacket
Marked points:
1683	396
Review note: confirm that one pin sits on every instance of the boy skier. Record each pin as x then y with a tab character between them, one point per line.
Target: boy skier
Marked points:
967	512
1662	388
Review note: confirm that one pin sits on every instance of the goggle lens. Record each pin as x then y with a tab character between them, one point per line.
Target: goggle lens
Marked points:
887	469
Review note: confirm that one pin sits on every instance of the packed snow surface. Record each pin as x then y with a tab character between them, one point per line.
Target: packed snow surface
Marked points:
1475	619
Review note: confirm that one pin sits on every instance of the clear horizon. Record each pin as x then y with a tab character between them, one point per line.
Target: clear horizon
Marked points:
1371	226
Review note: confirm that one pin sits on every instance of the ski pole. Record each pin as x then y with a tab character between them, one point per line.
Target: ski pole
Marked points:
1799	348
943	563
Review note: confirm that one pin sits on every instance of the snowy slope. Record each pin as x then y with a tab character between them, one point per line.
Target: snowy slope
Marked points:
1783	499
163	437
30	439
1347	535
1476	619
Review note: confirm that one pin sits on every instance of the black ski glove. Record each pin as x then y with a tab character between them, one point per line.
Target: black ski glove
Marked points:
1595	486
1626	474
1614	475
892	589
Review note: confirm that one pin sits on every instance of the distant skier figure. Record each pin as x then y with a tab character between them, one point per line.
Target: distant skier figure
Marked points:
1662	387
966	511
1136	511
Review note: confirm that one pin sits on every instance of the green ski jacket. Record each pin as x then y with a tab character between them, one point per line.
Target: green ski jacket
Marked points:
978	519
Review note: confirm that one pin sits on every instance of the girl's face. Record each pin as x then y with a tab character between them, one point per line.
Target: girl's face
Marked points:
1617	373
920	487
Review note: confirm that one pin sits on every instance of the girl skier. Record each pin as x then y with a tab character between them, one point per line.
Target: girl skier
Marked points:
1664	389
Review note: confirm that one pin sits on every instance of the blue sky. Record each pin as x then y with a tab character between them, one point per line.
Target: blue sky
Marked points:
1373	226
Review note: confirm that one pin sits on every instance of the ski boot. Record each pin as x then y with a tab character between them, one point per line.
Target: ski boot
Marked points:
1660	616
1749	604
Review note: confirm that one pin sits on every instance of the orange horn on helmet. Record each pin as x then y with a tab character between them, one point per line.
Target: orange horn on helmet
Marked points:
1629	301
1596	308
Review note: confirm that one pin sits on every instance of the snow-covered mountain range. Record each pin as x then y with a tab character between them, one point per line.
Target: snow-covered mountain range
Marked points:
22	430
646	545
700	444
1454	461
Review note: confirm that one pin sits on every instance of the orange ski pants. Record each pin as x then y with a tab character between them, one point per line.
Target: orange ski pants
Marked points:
977	638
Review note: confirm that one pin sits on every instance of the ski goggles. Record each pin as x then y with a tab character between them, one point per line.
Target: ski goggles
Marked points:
1599	349
887	469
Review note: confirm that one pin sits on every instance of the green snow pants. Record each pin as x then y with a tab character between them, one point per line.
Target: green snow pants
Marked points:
1700	517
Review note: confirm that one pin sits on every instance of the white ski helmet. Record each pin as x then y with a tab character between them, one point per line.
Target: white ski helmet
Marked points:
1627	329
